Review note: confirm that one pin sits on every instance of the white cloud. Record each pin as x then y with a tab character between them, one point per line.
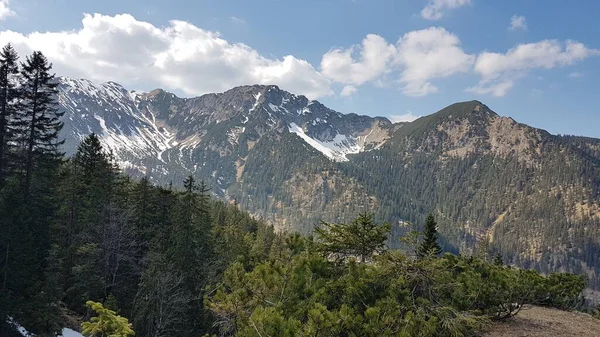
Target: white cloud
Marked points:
576	74
544	54
418	58
374	56
237	20
435	8
499	72
518	22
496	88
5	10
429	54
408	117
179	56
186	58
348	90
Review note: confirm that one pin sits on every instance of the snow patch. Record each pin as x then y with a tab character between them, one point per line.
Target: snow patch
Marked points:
256	97
336	149
66	332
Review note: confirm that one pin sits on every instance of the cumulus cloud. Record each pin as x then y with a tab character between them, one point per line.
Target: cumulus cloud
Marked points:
5	10
435	9
500	71
179	56
348	90
408	117
518	22
417	58
183	57
359	63
429	54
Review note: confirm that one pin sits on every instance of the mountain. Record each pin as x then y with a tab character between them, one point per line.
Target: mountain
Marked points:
491	182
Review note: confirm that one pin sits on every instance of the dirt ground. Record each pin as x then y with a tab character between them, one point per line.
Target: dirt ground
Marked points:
543	322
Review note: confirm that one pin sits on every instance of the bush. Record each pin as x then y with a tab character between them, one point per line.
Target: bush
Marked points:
302	290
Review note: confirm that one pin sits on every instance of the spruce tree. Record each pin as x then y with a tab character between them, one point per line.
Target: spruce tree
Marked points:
498	260
38	122
190	249
33	131
9	71
430	246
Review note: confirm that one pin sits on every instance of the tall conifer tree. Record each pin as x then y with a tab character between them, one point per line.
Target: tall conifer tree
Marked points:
39	120
430	246
9	71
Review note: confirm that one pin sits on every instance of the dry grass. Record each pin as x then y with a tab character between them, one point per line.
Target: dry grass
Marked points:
538	322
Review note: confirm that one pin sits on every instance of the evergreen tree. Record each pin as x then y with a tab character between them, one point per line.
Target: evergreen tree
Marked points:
92	225
361	238
498	260
29	206
106	323
430	246
38	122
9	93
190	249
190	241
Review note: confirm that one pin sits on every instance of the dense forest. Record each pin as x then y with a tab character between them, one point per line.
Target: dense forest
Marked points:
80	239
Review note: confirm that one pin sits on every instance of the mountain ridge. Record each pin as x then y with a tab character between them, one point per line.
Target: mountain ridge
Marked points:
532	196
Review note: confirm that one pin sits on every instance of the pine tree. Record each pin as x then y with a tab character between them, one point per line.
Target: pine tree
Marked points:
9	92
106	323
361	238
498	260
430	246
38	122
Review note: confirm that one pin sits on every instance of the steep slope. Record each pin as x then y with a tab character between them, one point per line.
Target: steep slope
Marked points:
252	144
529	195
490	181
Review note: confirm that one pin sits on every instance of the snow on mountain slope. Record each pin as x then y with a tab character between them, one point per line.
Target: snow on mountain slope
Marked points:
110	111
337	149
159	134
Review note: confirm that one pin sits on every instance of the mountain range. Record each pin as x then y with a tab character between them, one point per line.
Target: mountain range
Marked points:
494	185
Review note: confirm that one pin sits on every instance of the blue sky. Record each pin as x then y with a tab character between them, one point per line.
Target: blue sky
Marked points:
377	57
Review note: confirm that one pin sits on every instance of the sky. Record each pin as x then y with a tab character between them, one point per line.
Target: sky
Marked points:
535	61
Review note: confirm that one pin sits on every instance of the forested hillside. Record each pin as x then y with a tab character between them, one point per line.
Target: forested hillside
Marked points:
531	196
528	195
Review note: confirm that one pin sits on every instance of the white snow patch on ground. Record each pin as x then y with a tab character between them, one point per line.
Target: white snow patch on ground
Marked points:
336	149
70	333
66	332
